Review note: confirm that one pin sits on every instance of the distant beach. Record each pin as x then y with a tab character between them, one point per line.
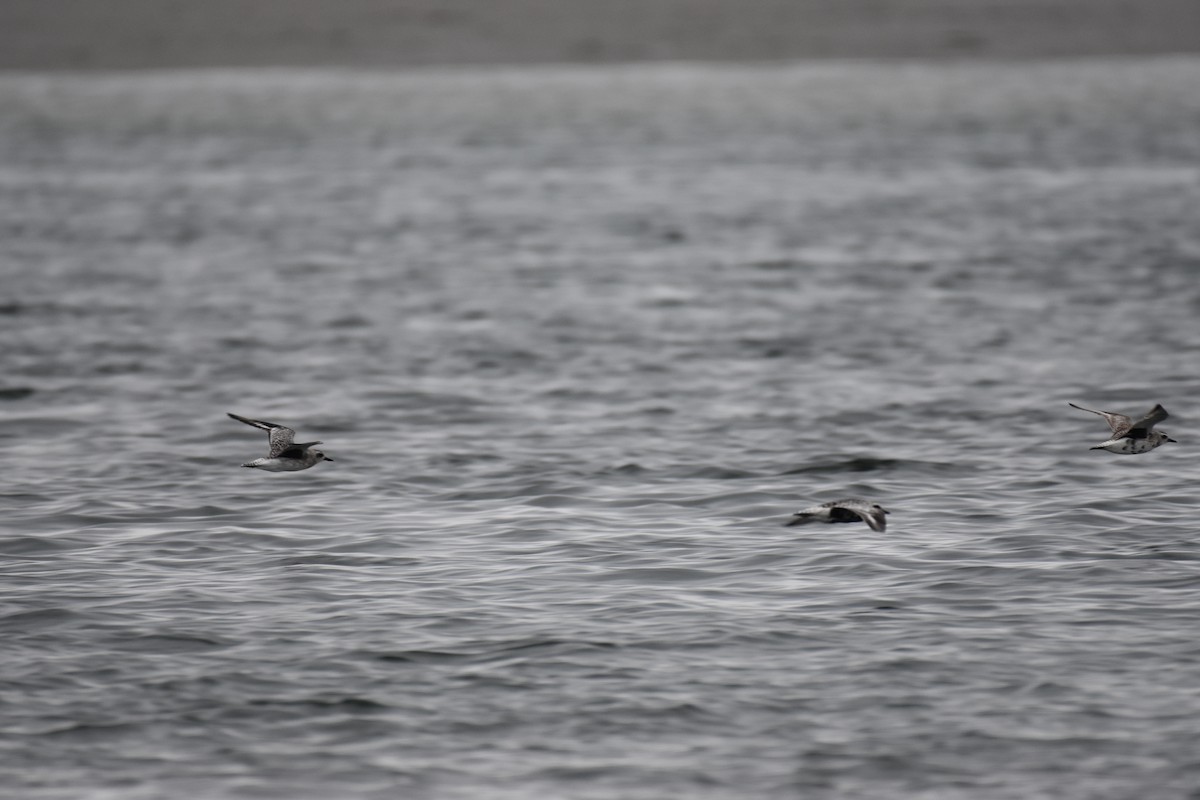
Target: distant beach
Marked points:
154	34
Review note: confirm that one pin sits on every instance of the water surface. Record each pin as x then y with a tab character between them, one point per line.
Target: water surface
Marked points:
580	340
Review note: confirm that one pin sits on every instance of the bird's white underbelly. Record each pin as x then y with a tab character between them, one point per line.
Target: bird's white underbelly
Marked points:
278	464
1129	446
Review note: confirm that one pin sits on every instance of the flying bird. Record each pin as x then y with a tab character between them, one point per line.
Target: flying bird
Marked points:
1130	437
286	455
848	510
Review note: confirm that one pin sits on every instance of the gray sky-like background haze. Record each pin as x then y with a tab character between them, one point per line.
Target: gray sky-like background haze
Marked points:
143	34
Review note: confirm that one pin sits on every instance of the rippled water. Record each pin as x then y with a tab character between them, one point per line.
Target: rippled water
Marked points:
580	341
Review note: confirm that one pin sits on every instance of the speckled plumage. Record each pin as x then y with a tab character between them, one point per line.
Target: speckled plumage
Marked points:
848	510
1129	436
285	454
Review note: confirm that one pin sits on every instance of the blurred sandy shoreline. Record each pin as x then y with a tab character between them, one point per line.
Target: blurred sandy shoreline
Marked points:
149	34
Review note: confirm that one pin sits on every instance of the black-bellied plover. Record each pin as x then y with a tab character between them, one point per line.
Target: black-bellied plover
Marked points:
1129	436
848	510
286	455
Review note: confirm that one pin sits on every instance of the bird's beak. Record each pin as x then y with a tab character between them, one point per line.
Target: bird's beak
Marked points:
327	458
1169	439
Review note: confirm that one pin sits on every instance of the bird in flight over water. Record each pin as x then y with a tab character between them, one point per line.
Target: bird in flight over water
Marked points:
286	455
848	510
1129	436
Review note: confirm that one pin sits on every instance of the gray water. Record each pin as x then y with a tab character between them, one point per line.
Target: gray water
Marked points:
580	340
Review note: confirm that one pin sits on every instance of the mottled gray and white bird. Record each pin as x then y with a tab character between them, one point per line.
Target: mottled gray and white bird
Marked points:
848	510
286	455
1129	436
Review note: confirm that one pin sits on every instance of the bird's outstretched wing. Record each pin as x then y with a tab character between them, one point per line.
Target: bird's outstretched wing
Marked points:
1152	418
869	513
279	436
1119	424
